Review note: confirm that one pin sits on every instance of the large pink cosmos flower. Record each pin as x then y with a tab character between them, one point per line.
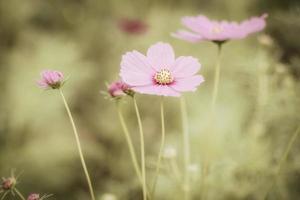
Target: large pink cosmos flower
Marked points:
204	29
159	73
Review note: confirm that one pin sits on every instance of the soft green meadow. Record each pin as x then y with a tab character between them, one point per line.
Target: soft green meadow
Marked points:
250	152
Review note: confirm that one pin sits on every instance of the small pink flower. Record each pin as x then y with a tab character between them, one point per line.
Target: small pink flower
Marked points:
33	196
203	29
8	183
51	79
118	89
132	26
159	73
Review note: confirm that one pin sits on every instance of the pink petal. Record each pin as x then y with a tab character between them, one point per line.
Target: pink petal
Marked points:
255	24
186	35
231	30
48	77
42	84
199	24
161	90
135	69
135	79
185	66
161	56
187	84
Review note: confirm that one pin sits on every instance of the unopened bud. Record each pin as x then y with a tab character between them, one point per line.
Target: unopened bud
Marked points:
8	183
33	196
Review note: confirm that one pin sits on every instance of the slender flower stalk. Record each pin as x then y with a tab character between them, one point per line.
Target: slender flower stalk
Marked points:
205	164
78	145
130	145
282	160
142	148
162	144
175	169
216	78
186	149
19	194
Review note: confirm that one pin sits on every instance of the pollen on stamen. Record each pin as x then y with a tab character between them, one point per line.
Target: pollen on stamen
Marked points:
163	77
217	29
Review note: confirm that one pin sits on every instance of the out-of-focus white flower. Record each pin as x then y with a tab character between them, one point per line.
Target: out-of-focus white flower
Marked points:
169	152
265	40
193	168
108	196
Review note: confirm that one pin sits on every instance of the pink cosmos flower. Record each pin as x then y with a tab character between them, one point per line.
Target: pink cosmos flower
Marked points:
51	79
203	29
118	89
132	26
159	73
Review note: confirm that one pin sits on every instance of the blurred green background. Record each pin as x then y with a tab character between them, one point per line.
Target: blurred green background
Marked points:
258	105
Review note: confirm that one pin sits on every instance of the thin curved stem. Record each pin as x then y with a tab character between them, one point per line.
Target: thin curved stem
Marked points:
283	159
216	79
186	149
19	194
142	148
78	146
175	170
162	144
130	145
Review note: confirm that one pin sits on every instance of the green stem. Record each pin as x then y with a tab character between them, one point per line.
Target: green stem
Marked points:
19	194
283	159
78	146
130	145
216	79
204	173
175	170
162	144
142	148
186	149
288	149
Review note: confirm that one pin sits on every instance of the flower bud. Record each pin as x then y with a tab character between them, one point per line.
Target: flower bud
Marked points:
33	196
8	183
51	79
118	89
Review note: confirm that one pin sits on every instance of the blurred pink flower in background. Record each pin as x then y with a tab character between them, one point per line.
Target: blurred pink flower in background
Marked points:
51	79
159	73
203	29
118	89
33	197
132	26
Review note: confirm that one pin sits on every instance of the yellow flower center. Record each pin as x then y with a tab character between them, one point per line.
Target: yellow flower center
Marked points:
217	29
163	77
